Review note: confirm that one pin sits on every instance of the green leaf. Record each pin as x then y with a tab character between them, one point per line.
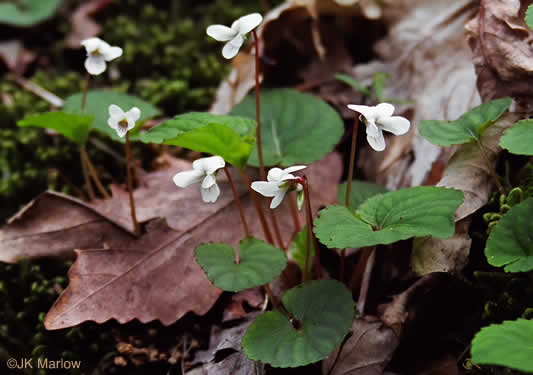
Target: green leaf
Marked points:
74	127
510	243
27	12
231	137
259	264
519	138
353	83
98	102
298	249
466	128
507	344
323	313
529	17
390	217
360	192
296	128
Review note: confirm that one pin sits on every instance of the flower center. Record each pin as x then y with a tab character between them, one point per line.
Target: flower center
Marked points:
123	123
96	52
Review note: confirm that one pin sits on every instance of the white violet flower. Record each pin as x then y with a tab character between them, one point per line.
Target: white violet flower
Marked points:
204	171
380	118
277	184
234	35
122	121
98	52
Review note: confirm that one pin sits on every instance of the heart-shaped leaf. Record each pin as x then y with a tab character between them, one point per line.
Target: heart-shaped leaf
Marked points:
466	128
74	127
98	102
27	12
510	243
360	192
519	138
260	263
507	344
321	316
296	128
298	249
230	137
390	217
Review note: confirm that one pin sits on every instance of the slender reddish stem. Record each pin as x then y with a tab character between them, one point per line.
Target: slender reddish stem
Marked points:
85	172
310	240
294	212
365	283
94	175
130	186
352	161
257	203
239	206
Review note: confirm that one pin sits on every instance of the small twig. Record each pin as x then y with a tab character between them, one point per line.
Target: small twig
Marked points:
360	309
54	100
130	186
94	175
85	172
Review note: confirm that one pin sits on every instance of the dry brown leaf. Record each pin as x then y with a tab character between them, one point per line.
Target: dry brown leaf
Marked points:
366	352
468	170
501	43
156	276
83	26
52	225
15	57
249	298
430	64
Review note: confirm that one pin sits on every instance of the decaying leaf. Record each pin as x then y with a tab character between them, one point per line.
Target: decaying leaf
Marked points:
226	342
468	170
15	57
52	225
252	298
83	26
501	43
155	276
366	352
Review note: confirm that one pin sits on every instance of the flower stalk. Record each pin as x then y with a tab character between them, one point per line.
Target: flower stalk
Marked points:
258	208
310	240
365	282
130	185
241	212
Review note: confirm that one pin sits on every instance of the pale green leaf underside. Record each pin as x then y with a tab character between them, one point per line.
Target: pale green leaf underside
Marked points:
27	12
510	243
325	311
466	128
390	217
519	138
508	344
260	263
296	128
230	137
98	102
74	127
360	192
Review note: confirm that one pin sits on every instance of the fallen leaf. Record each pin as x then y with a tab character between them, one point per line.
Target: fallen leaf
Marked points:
83	26
15	57
227	342
501	43
366	352
446	365
468	170
52	225
156	276
252	298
